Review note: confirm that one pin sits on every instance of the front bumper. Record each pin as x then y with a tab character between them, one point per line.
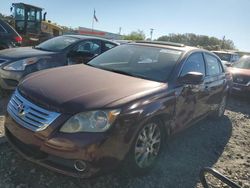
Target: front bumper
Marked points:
59	151
10	79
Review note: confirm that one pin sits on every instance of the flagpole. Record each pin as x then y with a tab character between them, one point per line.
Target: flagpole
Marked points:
93	20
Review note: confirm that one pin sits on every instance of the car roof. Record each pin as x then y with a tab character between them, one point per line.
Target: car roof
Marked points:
123	41
163	44
82	37
225	52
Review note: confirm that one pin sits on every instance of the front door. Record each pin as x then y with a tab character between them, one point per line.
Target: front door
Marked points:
190	97
91	47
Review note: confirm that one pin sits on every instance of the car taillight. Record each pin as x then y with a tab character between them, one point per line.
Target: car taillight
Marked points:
18	39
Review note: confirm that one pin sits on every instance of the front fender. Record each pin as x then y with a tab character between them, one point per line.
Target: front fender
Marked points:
162	108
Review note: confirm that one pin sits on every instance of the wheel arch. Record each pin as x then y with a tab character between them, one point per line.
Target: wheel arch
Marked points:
151	113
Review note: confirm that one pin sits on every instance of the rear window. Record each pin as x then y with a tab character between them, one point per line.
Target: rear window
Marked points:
146	62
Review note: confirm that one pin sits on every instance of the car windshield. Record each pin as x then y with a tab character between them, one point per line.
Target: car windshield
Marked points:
224	56
243	63
145	62
57	44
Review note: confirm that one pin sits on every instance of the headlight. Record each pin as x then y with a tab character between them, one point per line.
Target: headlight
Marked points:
20	65
248	84
93	121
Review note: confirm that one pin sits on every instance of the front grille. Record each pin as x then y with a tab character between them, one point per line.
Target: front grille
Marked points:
28	114
241	79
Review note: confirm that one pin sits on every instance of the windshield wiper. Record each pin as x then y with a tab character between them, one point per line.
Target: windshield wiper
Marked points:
38	48
43	49
120	72
128	74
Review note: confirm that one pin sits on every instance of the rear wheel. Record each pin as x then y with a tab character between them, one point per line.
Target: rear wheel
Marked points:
146	148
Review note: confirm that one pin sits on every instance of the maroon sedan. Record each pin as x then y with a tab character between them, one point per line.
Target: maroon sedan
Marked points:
241	76
82	120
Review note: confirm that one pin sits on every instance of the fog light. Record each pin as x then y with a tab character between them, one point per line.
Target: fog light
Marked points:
80	166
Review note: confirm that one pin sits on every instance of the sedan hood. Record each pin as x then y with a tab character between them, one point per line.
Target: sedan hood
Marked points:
240	76
22	52
78	88
244	72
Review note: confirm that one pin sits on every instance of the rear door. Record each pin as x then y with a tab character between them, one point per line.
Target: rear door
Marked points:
215	81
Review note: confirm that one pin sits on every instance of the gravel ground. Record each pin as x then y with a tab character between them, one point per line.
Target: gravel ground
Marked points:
2	108
222	144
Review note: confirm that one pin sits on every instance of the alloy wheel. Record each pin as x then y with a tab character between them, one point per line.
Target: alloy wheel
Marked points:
147	146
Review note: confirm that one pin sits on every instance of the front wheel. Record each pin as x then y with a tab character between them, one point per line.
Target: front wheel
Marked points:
222	107
146	148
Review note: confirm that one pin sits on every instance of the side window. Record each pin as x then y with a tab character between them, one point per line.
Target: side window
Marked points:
19	14
90	46
235	58
2	30
213	65
108	46
195	63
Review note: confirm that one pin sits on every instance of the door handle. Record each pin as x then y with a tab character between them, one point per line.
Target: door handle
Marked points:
207	89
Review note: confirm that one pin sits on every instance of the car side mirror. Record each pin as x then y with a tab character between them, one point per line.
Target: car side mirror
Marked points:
193	78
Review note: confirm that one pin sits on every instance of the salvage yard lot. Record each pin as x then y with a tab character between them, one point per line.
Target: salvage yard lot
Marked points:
222	144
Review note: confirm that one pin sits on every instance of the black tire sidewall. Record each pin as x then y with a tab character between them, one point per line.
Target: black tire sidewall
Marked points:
217	114
131	166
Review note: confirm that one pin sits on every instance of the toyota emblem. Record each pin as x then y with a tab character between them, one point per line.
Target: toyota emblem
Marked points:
20	109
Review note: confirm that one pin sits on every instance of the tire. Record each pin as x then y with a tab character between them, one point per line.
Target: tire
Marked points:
145	149
221	108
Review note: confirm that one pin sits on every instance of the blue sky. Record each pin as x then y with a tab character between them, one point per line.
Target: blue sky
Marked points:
206	17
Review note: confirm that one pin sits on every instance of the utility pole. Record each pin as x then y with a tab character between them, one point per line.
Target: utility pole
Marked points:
151	34
120	30
223	42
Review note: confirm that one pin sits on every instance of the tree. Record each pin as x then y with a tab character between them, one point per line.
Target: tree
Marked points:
135	35
203	41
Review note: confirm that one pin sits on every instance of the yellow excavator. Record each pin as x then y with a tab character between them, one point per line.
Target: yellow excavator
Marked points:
32	25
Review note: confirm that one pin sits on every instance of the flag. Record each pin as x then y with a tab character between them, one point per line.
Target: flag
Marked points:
95	18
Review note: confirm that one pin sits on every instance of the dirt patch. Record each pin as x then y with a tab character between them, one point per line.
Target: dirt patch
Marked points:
222	144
